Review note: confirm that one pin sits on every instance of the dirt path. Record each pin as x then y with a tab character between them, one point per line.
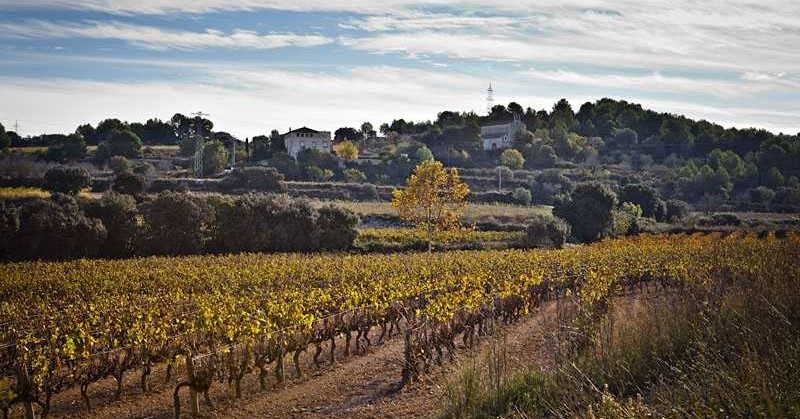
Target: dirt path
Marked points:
360	386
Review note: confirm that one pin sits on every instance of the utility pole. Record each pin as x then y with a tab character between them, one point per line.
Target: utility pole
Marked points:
199	143
233	155
500	178
16	127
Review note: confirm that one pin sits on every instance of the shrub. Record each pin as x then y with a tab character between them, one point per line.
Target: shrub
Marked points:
128	183
264	179
644	196
547	232
67	179
73	147
121	143
119	164
720	220
264	223
336	228
523	196
677	210
175	224
761	195
118	214
354	175
166	184
588	210
512	159
50	229
631	209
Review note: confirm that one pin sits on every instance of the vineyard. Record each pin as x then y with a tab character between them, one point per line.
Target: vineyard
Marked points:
214	319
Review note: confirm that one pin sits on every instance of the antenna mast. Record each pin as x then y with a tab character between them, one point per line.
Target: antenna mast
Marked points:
199	143
489	99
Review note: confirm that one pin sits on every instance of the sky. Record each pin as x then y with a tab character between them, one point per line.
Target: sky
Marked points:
258	65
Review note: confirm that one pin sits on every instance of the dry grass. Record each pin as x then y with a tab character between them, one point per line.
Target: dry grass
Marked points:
27	150
473	212
19	192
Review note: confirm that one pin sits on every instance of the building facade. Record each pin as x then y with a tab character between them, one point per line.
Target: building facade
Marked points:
501	136
302	138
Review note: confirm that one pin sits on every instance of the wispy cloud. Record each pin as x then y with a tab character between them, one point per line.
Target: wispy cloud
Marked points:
747	84
157	38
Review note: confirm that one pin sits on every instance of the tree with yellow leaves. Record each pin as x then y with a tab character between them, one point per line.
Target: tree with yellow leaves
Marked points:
433	199
346	150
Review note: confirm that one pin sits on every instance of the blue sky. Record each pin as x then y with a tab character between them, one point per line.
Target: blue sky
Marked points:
255	65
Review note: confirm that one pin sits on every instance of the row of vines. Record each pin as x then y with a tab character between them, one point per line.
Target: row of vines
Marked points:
71	324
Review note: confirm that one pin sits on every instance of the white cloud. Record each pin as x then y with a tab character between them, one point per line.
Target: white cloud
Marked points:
156	38
748	84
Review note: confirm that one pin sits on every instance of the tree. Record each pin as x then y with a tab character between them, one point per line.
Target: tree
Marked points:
677	210
562	113
346	150
512	159
644	196
347	133
354	175
67	179
73	147
423	154
523	196
119	164
337	228
367	131
52	228
546	232
121	143
761	195
774	178
118	214
128	183
264	179
175	224
588	210
5	141
433	198
215	158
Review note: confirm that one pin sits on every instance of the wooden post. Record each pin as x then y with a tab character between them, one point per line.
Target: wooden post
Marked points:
194	402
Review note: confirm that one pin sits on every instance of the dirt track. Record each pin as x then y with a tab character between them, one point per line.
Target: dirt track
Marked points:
360	386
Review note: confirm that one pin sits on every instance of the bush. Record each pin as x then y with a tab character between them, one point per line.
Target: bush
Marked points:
119	164
588	210
166	184
761	195
512	159
547	232
73	147
175	224
354	175
67	179
128	183
721	220
118	214
49	229
523	196
121	143
677	210
336	228
264	179
644	196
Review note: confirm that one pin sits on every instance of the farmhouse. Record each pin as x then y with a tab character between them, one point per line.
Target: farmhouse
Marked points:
302	138
500	136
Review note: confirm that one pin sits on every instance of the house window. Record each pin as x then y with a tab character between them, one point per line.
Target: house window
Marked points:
303	144
314	144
